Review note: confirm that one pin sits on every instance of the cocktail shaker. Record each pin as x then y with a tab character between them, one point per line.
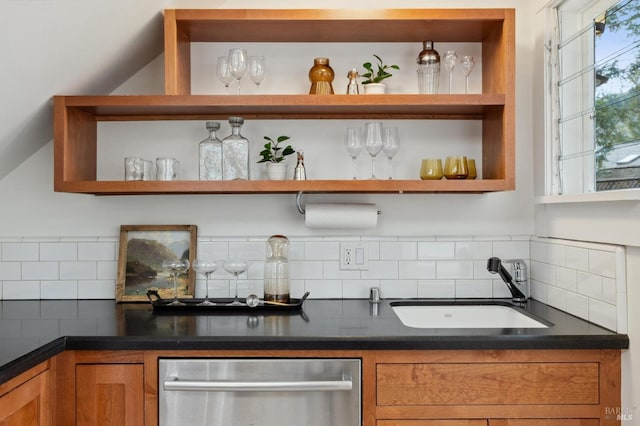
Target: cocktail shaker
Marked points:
428	69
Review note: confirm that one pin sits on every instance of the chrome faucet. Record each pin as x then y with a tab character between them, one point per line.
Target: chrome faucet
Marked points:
519	295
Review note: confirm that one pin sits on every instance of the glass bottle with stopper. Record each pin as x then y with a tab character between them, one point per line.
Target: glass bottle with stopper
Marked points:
235	153
211	154
276	270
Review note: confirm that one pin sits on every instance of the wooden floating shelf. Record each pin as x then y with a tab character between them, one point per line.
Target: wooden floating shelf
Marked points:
285	186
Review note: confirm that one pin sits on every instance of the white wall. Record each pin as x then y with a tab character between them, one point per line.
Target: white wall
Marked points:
30	208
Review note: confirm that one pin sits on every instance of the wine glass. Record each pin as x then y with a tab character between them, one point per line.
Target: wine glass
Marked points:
373	142
390	144
256	70
236	267
205	267
238	64
467	65
353	142
223	72
175	266
449	60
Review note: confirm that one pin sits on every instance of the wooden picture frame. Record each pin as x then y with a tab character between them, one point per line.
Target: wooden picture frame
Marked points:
142	250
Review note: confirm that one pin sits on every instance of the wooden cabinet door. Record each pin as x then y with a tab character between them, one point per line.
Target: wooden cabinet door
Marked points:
456	422
27	404
109	394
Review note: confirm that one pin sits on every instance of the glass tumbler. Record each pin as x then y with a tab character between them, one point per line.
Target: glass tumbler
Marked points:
456	167
167	168
431	169
133	168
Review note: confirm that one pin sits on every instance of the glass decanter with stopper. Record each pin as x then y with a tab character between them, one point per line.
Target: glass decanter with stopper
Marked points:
235	153
276	270
211	154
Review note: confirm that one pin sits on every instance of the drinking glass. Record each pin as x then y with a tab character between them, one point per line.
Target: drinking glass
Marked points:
238	64
353	142
256	70
456	167
431	169
467	65
373	142
390	144
236	267
450	59
223	72
175	267
205	267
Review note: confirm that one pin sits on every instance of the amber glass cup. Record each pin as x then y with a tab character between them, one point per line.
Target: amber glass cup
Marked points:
456	167
431	169
471	163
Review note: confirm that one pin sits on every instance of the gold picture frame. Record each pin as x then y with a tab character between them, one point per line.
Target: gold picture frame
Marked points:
142	250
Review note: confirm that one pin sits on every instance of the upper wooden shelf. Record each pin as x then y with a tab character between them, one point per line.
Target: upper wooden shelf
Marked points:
324	25
179	107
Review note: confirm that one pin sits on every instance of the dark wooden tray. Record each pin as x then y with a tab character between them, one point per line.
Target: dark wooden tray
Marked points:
221	305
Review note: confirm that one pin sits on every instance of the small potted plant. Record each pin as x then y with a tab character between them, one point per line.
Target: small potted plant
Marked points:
373	82
273	154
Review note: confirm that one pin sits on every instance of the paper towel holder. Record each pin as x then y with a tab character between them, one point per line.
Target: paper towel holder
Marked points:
301	209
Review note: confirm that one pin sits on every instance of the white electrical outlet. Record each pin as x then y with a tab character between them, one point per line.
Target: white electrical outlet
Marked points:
354	256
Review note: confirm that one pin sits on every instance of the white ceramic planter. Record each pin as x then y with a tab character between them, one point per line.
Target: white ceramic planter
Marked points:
277	171
374	88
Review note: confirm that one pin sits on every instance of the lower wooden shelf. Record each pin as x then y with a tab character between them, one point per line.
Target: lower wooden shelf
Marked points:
283	187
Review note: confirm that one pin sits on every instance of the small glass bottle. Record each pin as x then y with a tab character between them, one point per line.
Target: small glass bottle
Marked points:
321	76
352	86
235	153
276	270
211	154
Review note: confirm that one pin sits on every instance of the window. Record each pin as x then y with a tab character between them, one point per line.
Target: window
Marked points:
593	75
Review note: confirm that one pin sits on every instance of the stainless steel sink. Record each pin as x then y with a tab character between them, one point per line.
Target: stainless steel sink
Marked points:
419	314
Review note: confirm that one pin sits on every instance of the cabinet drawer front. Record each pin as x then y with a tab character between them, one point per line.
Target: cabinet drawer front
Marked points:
457	422
487	383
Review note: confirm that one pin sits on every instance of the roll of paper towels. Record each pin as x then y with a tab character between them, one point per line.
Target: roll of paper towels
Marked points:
341	216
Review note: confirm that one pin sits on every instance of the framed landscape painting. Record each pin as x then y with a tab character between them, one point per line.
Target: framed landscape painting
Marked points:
143	248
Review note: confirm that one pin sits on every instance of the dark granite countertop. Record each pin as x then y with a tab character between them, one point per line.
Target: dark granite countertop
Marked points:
33	331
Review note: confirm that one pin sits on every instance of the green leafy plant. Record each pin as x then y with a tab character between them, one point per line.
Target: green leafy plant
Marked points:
273	152
380	74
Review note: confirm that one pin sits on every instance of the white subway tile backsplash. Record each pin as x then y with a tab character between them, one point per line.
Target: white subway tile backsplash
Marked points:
10	271
437	288
40	270
586	279
471	250
97	251
602	263
59	289
420	269
58	251
20	290
462	269
78	270
322	250
403	250
20	252
436	250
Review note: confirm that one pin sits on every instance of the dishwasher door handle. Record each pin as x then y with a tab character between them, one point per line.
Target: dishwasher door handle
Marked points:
249	386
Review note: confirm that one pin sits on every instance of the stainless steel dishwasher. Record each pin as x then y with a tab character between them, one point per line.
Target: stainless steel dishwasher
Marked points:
260	392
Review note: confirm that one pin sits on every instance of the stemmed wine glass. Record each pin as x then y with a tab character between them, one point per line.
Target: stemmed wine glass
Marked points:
223	72
353	142
205	267
238	64
467	65
373	142
256	70
449	60
390	144
175	266
236	267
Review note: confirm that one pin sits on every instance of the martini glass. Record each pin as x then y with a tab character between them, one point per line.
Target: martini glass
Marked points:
175	267
236	267
205	267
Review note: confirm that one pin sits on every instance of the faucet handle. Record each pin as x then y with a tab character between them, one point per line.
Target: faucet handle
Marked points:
519	269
